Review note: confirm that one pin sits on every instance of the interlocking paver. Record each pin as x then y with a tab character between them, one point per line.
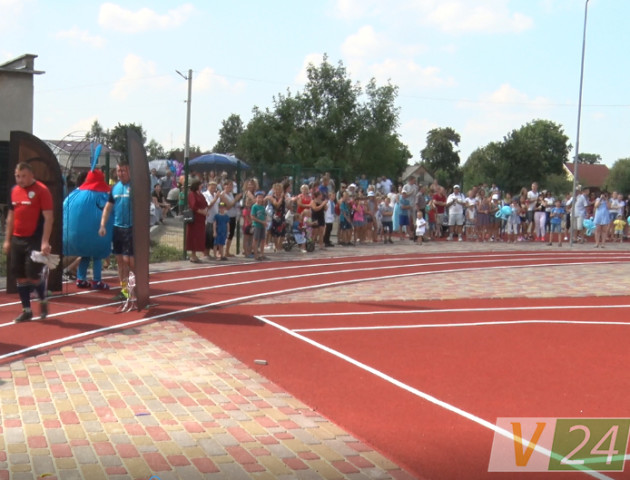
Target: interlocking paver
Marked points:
99	409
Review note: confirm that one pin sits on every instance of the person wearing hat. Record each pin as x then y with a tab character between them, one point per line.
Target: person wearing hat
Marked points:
220	231
455	204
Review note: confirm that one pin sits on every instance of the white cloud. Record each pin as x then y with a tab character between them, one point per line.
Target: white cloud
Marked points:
314	58
499	112
510	96
488	16
208	80
82	37
139	75
11	12
115	17
406	73
354	9
451	16
363	43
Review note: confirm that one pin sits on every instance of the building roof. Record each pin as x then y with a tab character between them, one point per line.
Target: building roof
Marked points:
589	175
22	64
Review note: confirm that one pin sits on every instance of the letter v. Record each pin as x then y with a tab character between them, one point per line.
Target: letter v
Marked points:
522	456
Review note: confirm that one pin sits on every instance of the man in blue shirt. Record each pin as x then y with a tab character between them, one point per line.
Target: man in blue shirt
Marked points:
122	240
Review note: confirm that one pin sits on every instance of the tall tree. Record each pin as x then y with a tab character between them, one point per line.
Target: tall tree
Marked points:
231	130
619	176
97	133
325	126
117	138
589	158
155	150
531	153
482	166
440	157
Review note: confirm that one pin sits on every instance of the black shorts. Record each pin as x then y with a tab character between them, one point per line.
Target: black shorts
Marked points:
232	228
21	264
122	241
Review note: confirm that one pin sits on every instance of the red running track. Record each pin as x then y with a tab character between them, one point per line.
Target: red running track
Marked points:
384	373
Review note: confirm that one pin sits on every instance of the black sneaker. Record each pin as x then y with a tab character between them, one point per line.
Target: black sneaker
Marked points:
25	316
43	309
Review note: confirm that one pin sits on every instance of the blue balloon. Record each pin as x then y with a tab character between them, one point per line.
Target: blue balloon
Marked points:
589	226
504	212
82	211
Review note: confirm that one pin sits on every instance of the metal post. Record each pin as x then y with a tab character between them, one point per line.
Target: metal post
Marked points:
187	145
577	138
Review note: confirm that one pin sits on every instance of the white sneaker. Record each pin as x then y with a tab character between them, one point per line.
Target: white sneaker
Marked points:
459	239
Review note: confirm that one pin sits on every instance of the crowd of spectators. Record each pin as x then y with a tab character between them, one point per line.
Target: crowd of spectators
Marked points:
366	211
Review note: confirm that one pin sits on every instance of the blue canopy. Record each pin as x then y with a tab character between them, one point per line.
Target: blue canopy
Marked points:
216	161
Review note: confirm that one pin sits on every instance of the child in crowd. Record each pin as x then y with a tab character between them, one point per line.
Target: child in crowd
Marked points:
302	225
403	217
259	225
387	212
358	220
620	225
513	224
220	230
557	215
421	227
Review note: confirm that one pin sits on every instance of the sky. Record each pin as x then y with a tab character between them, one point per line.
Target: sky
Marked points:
482	67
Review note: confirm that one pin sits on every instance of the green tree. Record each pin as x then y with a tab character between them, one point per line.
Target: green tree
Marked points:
589	158
380	150
326	126
440	157
155	150
532	153
483	166
558	184
117	137
97	133
619	176
231	130
178	153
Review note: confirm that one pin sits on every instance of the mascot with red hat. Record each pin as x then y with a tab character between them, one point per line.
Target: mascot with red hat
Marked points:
82	211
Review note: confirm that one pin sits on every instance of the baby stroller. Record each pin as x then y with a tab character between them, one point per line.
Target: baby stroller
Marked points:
296	234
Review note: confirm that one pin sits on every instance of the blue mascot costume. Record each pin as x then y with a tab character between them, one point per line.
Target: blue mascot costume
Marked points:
82	211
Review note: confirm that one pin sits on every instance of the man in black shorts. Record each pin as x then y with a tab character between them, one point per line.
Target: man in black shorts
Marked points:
29	225
122	240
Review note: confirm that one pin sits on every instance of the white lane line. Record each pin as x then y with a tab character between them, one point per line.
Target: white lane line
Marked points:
195	308
448	310
423	395
294	289
453	259
456	325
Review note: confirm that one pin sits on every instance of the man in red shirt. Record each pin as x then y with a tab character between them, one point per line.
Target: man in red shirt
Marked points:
29	225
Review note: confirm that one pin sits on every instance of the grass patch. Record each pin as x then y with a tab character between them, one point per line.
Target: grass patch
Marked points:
164	253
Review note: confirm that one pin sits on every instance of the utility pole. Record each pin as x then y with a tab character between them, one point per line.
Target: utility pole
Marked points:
187	144
576	161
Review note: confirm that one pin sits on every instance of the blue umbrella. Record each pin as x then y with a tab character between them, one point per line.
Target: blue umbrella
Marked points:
216	161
